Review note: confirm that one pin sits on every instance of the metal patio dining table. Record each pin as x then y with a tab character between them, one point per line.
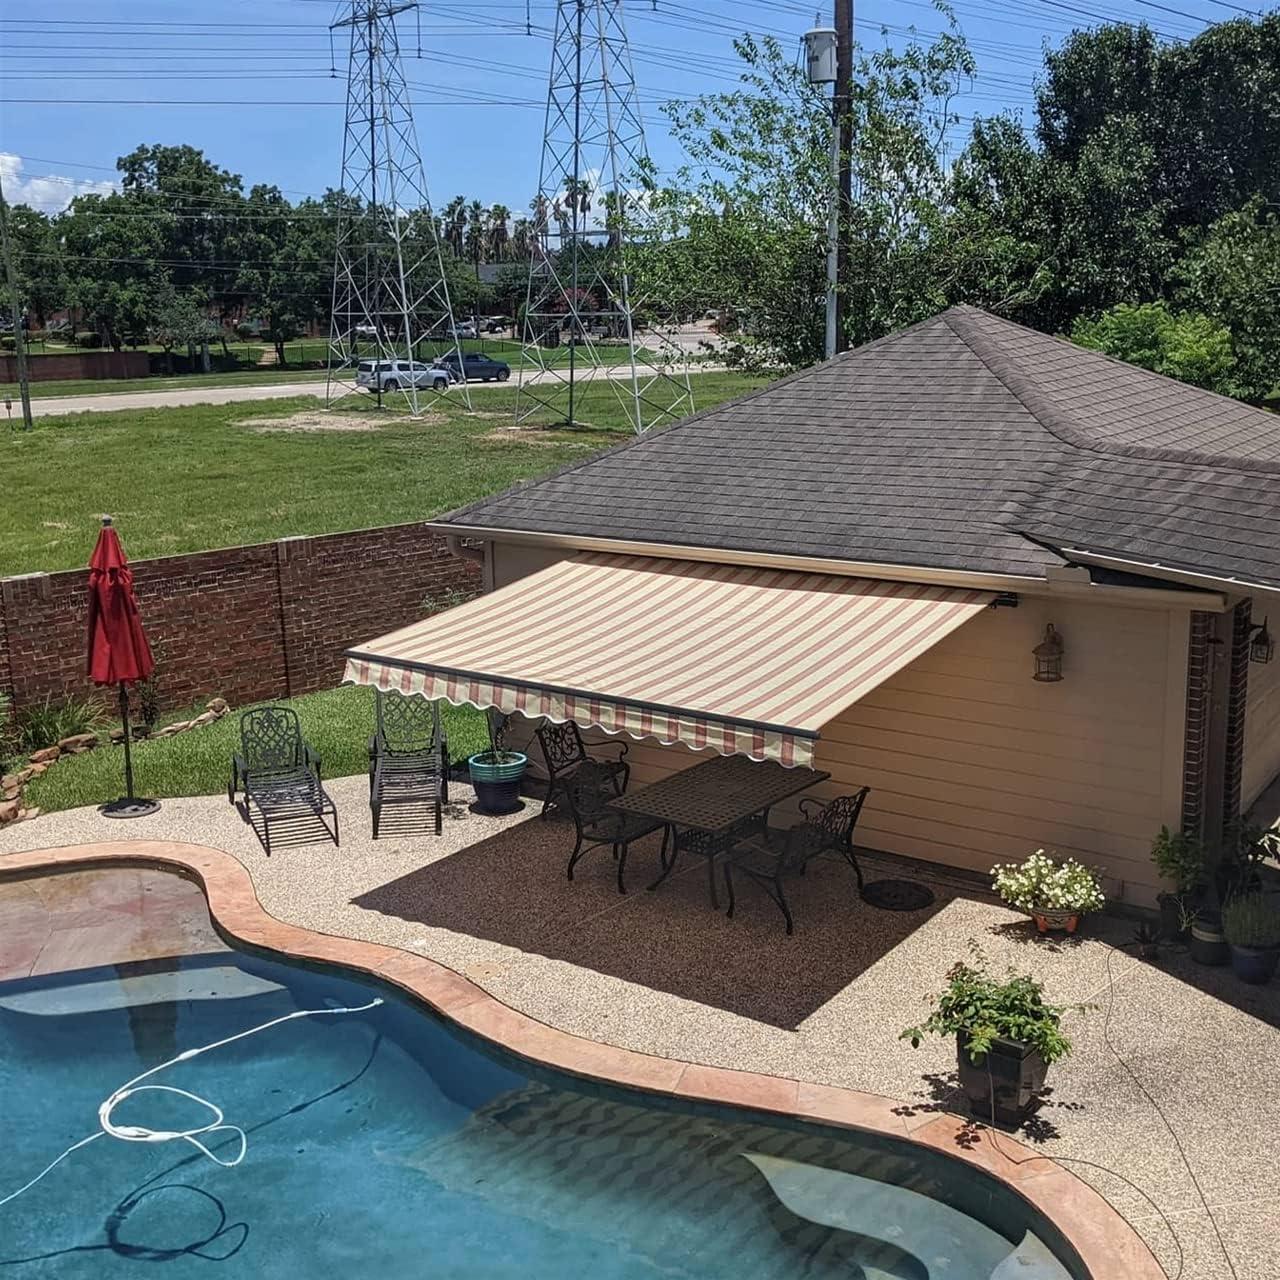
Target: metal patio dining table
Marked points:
705	804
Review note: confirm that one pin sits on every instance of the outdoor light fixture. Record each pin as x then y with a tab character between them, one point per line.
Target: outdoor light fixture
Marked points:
1048	655
1262	648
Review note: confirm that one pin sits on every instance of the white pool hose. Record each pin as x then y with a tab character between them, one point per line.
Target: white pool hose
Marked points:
140	1133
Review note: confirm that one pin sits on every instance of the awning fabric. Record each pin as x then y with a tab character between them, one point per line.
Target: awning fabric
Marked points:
741	660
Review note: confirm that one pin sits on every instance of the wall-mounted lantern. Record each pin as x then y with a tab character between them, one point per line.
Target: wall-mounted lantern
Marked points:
1048	655
1262	648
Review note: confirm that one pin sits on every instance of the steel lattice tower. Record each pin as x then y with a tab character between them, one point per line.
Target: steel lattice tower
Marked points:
589	222
390	293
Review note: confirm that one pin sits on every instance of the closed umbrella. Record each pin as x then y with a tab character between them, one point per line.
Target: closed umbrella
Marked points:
118	650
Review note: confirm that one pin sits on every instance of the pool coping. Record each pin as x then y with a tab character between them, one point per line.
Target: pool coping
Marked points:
1109	1247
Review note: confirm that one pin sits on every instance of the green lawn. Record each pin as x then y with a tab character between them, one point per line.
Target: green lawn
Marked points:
337	723
205	476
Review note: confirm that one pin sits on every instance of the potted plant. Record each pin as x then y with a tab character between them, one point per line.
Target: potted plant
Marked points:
1055	895
1146	937
1252	926
1208	942
1007	1037
1179	858
496	774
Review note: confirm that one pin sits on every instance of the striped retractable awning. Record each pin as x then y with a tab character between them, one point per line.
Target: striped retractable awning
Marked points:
741	660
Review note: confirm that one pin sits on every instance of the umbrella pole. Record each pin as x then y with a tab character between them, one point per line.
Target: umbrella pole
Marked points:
129	805
128	755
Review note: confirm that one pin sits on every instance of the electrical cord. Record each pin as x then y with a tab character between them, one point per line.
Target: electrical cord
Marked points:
142	1133
1102	1168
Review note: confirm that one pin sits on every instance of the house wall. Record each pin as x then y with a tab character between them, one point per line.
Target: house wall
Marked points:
1261	729
971	762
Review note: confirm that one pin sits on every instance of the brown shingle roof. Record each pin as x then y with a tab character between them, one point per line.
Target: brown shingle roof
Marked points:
964	442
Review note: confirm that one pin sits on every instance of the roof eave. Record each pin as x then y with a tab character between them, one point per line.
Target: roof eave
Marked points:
1096	592
1227	584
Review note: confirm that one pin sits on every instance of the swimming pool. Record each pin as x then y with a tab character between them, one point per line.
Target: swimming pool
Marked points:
387	1143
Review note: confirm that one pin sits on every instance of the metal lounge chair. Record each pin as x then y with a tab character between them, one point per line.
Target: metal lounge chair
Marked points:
587	792
769	859
408	756
565	752
279	773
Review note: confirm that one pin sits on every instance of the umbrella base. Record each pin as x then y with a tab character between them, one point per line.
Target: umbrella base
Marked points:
129	807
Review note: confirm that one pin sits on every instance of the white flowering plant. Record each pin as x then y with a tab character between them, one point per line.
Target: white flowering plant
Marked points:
1040	884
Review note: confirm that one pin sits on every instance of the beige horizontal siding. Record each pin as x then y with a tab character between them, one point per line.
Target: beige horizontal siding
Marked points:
1261	729
971	762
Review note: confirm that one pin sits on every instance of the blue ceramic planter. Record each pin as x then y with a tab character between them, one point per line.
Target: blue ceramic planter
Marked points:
497	782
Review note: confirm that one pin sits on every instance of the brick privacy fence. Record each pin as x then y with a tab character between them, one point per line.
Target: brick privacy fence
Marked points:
246	623
78	364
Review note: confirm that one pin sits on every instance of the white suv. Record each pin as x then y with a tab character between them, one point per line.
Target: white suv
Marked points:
392	375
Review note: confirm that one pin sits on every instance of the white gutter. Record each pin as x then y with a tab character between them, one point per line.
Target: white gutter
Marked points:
1237	587
1057	585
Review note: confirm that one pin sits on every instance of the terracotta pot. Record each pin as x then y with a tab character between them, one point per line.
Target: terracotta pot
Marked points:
1056	921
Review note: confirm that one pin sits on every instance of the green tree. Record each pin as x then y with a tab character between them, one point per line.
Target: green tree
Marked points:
1233	274
746	220
1181	344
38	264
114	261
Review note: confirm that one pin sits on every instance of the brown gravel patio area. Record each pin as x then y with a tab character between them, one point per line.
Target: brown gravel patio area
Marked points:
664	974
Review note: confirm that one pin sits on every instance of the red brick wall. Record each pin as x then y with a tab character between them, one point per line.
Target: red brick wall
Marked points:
246	623
78	364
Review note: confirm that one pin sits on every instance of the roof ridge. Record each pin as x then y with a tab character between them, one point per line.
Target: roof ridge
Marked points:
961	321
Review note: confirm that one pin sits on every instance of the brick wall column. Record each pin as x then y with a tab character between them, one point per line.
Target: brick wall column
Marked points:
1237	702
1195	733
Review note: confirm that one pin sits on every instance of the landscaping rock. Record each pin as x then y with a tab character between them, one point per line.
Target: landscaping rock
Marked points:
218	706
25	815
78	742
117	735
46	755
10	790
8	811
38	769
17	780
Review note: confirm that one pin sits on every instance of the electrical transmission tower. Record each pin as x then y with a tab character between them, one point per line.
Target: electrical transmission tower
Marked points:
390	294
583	316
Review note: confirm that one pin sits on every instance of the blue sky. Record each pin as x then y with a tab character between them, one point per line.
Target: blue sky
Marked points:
248	80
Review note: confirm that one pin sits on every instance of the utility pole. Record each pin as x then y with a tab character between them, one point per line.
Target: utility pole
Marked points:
19	338
842	128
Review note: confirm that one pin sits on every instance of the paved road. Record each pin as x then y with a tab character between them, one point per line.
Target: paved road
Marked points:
106	402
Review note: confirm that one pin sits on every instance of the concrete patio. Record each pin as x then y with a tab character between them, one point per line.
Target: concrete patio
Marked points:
664	974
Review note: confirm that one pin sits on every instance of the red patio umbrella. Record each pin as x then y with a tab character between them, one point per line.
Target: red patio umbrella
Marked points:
118	650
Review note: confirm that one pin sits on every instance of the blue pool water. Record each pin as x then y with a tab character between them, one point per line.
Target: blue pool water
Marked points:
386	1144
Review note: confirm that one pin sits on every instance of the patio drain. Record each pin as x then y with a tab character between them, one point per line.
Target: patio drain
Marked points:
897	895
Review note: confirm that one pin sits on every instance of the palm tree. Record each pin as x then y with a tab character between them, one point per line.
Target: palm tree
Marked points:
499	240
521	239
455	224
477	233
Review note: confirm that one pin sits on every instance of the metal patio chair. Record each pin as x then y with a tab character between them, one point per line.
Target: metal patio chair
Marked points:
408	756
769	859
587	793
565	752
279	773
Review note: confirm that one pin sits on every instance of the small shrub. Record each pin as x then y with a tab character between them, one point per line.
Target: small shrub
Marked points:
980	1008
49	722
1179	858
1040	884
1251	920
88	339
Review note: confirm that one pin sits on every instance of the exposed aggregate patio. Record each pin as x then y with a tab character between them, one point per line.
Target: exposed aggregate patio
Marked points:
663	973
